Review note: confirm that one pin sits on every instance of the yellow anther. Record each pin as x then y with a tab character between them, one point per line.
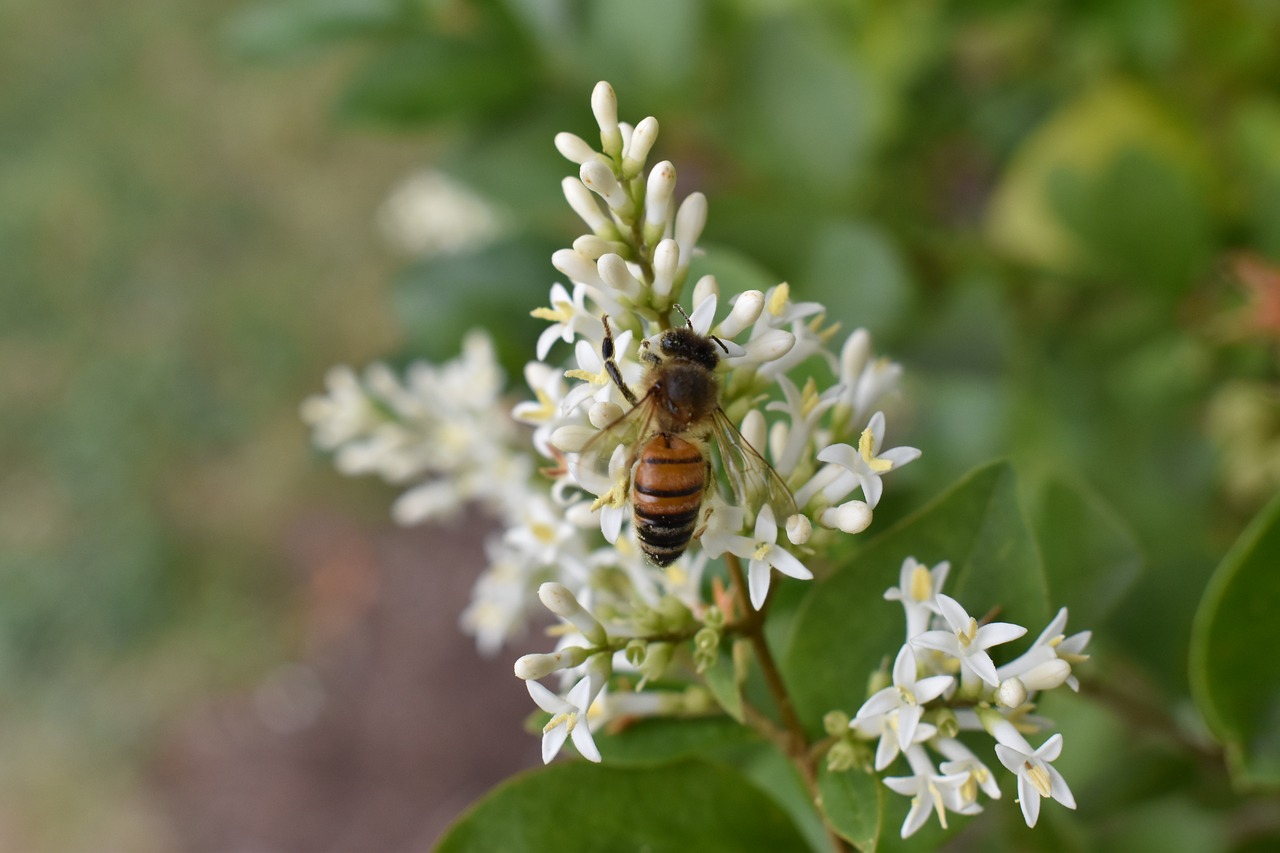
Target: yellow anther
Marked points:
1039	777
867	449
778	298
921	584
556	314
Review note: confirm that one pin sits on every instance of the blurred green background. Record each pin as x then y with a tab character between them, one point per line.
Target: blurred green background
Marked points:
1062	217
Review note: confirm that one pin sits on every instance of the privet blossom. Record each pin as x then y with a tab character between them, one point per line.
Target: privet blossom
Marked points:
559	487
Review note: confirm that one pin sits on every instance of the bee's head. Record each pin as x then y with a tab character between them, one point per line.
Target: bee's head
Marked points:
687	345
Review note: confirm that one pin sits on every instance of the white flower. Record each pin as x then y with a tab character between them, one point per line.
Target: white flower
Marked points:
568	717
568	315
962	760
968	642
930	792
596	383
864	379
432	214
906	697
1036	776
868	463
917	589
342	414
885	728
500	600
763	552
1041	664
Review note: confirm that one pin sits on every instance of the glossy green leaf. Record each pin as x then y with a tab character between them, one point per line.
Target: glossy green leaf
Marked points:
645	743
429	79
1090	558
845	628
853	801
585	807
1235	673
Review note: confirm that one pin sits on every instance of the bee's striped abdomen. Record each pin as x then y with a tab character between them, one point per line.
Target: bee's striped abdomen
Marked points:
666	494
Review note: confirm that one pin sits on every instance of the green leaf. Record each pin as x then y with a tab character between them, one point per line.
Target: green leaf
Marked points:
1235	672
1090	558
845	628
430	79
855	270
853	802
723	683
645	743
585	807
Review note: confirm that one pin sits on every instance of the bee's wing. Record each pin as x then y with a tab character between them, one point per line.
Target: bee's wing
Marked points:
591	467
752	478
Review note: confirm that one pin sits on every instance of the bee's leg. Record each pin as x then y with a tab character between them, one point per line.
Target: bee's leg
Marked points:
611	366
706	518
647	355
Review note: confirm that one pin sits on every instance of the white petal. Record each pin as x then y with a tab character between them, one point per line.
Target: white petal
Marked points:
876	425
611	523
1029	799
547	701
957	617
886	751
996	633
872	488
1011	758
1058	788
900	456
758	582
787	563
908	718
1050	749
881	702
904	667
704	314
928	689
921	808
938	641
552	741
980	662
904	785
584	742
549	336
766	525
838	454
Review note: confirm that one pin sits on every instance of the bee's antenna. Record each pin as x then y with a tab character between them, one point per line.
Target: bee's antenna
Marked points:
721	343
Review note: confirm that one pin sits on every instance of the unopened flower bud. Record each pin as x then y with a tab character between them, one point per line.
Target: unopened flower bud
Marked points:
879	680
642	139
947	722
533	667
575	149
851	517
604	105
691	218
799	528
585	204
841	757
666	259
746	310
636	651
603	413
754	429
713	617
656	660
1011	693
576	266
836	723
559	600
772	345
706	287
599	178
572	438
707	639
594	247
854	354
615	273
659	188
1047	675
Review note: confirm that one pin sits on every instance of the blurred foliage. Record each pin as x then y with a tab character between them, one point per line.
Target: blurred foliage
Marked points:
1062	217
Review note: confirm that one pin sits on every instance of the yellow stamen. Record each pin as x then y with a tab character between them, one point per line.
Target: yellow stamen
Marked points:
762	551
559	313
921	584
808	397
778	298
867	448
586	376
1039	777
908	698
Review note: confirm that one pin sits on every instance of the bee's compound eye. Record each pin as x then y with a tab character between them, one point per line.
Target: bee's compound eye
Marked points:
669	341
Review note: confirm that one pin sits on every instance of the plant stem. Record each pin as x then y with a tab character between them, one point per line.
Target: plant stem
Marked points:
793	743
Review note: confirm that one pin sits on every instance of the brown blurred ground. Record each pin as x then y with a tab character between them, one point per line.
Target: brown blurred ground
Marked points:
387	729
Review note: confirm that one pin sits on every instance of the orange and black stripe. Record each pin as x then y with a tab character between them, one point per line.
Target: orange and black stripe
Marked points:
666	496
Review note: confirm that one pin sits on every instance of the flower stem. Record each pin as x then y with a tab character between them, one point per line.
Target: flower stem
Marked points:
793	742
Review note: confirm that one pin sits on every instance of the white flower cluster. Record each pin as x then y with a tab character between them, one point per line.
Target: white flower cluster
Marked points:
814	454
945	682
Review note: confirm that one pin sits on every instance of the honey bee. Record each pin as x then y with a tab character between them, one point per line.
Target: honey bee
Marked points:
669	426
